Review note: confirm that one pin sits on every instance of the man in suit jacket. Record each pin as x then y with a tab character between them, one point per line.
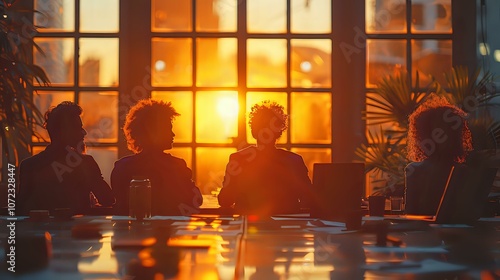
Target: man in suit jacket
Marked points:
262	179
62	176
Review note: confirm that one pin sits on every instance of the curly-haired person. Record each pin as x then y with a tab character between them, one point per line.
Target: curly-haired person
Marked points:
438	139
262	179
148	131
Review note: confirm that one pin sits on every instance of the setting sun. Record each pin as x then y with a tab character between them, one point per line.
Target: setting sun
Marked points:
228	107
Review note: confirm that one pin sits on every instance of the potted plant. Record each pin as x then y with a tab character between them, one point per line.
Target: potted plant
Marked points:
18	76
395	99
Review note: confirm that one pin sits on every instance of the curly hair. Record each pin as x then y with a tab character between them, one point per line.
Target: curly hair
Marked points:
143	119
268	115
57	118
434	118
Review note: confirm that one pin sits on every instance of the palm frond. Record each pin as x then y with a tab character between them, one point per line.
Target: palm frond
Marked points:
468	90
394	99
18	112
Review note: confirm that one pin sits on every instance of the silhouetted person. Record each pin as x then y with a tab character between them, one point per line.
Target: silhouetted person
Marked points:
438	138
148	131
62	176
262	179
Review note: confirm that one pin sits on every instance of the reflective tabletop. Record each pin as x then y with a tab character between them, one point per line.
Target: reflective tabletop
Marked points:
209	246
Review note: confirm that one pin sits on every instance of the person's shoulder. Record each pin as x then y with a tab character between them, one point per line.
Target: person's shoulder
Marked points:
87	157
415	167
416	164
244	152
289	154
174	159
33	160
126	160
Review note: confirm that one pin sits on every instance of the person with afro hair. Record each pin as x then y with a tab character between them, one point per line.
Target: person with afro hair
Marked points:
149	133
264	180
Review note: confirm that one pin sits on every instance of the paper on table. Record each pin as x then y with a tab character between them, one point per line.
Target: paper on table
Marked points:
372	218
331	230
379	249
450	226
127	218
423	267
183	232
296	217
490	219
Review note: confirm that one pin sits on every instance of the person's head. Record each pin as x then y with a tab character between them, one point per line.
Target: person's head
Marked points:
64	125
267	122
148	126
438	129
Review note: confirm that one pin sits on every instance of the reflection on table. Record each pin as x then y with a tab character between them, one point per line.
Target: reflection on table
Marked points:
246	247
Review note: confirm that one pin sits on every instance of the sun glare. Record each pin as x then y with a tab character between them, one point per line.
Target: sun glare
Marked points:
228	107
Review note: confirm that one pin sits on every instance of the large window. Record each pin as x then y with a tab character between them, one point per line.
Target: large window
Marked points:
79	52
405	37
408	35
214	65
214	59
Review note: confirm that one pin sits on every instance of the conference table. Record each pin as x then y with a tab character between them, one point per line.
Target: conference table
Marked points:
207	245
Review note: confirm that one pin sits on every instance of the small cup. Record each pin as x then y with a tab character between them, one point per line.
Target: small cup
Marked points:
396	203
376	204
353	219
63	214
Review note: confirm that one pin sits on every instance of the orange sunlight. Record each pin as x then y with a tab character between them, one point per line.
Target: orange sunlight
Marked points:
228	107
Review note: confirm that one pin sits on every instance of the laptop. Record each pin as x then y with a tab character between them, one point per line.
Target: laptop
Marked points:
464	196
337	190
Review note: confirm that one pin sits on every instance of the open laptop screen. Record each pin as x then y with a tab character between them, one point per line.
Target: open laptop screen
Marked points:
337	189
464	195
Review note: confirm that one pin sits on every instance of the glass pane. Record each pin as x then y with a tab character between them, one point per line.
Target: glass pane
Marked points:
431	16
312	156
216	62
55	15
257	97
172	62
210	168
262	17
182	101
431	57
311	63
385	16
57	59
311	16
98	62
311	118
99	16
43	101
105	158
171	15
216	116
100	115
37	149
184	153
266	63
384	57
216	16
